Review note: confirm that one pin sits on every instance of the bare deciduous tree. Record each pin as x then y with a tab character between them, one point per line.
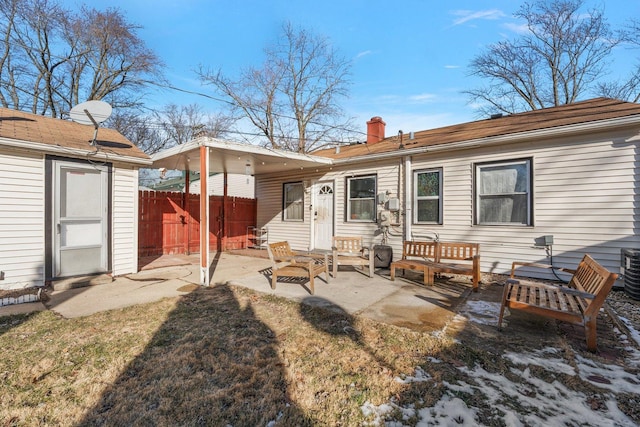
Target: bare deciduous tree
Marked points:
140	129
112	61
628	89
183	123
172	125
53	59
293	98
559	59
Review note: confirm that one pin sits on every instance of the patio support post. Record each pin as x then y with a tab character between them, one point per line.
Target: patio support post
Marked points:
222	242
186	210
204	216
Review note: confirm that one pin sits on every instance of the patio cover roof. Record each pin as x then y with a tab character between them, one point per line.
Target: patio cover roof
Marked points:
231	157
213	155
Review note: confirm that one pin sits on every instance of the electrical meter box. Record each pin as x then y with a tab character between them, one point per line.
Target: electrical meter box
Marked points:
393	204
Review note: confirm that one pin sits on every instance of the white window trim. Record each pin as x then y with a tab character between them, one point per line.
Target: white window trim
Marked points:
528	162
438	197
375	192
284	201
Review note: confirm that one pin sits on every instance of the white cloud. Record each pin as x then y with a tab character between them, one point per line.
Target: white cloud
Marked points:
423	97
517	28
363	53
451	67
465	16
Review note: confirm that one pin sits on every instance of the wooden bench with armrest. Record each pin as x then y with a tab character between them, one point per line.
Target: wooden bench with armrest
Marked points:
288	263
434	257
577	302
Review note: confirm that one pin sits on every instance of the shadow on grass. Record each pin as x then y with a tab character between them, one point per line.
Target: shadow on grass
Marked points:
15	320
211	363
339	324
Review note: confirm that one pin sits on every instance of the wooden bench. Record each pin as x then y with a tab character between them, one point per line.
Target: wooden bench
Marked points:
351	251
440	257
577	302
288	263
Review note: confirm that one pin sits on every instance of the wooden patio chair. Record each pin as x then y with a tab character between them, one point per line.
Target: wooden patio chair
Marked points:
578	301
350	251
288	263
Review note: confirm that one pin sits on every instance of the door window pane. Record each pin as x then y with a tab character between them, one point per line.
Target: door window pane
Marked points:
81	233
80	193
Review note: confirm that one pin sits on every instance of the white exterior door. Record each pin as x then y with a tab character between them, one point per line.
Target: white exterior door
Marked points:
79	219
323	215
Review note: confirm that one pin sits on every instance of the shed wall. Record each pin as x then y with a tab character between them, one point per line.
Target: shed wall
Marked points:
125	220
21	219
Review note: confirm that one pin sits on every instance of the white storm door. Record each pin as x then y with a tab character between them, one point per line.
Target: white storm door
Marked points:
324	216
80	219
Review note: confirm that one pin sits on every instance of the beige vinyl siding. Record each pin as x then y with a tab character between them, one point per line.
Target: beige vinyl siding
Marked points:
387	180
125	220
21	219
298	234
269	196
583	195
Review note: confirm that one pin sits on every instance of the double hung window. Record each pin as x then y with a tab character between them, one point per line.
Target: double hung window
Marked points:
361	198
293	201
427	196
503	193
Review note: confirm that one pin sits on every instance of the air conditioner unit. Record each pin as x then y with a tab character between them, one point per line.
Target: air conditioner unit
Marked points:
630	271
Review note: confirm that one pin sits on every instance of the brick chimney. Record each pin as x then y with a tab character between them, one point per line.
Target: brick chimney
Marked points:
375	130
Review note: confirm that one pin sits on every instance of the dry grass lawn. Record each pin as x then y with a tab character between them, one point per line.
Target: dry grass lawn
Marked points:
218	356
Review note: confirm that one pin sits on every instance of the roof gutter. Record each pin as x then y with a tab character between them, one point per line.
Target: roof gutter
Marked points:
258	150
60	150
502	139
240	149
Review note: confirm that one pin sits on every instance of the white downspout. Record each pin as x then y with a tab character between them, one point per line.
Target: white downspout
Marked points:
408	206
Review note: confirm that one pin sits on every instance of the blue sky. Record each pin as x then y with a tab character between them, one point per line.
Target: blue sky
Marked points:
410	57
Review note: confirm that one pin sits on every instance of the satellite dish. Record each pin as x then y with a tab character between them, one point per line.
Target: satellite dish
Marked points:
91	113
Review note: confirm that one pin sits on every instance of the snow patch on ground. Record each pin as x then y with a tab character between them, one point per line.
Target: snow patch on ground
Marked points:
635	335
520	398
616	378
630	346
545	358
419	376
482	312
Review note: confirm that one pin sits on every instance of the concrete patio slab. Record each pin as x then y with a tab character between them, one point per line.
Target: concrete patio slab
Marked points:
401	302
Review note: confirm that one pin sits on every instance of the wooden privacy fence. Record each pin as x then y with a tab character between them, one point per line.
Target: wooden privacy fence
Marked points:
169	223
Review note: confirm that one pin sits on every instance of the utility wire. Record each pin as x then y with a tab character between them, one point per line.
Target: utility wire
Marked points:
159	125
